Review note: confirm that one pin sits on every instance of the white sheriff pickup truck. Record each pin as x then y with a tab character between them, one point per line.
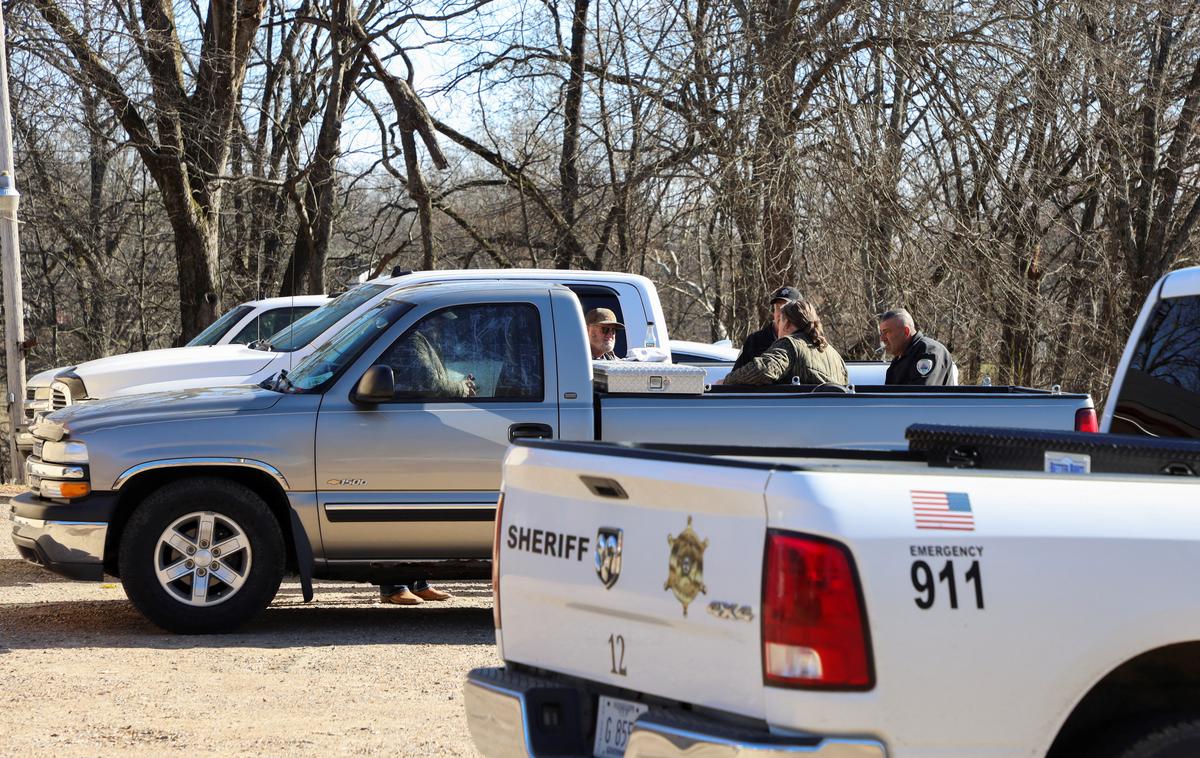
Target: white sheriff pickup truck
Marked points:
986	593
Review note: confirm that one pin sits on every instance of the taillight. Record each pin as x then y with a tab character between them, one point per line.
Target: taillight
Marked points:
496	562
813	623
1086	421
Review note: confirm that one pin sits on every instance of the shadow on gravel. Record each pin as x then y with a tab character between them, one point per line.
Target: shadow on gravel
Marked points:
116	624
15	572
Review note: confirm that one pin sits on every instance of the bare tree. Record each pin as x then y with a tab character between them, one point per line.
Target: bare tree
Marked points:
182	136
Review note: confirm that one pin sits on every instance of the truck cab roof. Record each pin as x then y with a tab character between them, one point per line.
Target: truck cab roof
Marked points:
419	277
481	288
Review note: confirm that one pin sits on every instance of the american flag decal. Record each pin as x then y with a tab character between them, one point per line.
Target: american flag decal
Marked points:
950	511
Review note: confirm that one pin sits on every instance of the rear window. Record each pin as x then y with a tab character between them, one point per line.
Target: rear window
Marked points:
595	296
1160	395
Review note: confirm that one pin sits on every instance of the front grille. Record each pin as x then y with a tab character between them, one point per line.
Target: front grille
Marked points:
59	399
30	396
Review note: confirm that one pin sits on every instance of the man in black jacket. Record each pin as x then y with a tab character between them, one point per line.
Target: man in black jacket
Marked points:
757	343
916	359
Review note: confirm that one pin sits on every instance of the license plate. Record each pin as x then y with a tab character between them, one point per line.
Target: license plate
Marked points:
614	723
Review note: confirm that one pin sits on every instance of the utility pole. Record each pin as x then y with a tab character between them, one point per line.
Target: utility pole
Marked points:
10	258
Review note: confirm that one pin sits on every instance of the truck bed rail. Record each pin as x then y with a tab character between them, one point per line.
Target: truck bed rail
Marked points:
1064	452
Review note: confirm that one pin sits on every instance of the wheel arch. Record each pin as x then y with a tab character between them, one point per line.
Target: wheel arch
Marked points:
1163	680
137	483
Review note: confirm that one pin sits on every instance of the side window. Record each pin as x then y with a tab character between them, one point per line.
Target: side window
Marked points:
484	352
594	296
689	358
1160	395
268	323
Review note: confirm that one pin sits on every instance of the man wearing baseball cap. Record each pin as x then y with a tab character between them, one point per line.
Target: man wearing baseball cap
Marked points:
602	326
757	343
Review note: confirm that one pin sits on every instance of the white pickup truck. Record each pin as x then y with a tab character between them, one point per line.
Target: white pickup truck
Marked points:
987	593
242	324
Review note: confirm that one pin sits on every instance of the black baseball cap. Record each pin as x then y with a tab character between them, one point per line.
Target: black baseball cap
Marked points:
790	294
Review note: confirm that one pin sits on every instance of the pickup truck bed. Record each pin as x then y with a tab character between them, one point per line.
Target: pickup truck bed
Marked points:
841	603
870	417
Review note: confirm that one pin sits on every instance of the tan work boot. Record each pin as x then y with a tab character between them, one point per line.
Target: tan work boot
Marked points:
402	597
429	593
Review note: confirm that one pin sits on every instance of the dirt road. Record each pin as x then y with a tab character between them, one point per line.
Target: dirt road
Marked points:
82	673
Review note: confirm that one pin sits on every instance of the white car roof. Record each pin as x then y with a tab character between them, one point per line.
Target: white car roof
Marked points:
720	352
1182	282
278	302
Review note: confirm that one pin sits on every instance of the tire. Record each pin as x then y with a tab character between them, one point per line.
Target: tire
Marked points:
1163	736
201	556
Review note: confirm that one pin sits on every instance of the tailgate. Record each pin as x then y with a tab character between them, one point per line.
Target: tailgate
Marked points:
635	570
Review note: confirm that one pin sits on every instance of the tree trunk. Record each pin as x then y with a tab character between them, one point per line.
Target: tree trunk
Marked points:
567	247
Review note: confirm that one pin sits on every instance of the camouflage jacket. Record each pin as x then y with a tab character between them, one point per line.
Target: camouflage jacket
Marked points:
419	370
792	357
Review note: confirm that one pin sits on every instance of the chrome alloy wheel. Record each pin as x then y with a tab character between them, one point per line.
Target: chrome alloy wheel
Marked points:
202	558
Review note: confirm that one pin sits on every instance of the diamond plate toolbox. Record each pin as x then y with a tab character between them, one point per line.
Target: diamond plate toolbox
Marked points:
625	377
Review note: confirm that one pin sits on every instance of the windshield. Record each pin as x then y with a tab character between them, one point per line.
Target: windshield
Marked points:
216	330
303	331
323	366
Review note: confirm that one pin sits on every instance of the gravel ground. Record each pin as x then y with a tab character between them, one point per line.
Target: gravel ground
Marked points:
82	673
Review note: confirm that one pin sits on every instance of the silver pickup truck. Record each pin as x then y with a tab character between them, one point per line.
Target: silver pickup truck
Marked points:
377	458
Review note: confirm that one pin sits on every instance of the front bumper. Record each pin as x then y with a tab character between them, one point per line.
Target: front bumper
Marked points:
511	713
67	539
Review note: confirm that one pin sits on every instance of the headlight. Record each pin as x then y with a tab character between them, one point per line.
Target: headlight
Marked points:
52	489
65	451
42	393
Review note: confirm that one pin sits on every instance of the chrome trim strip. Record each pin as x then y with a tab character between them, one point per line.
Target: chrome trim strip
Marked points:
142	468
370	507
652	738
481	561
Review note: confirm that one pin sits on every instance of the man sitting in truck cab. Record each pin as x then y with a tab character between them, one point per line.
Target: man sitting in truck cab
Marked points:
801	353
602	326
420	372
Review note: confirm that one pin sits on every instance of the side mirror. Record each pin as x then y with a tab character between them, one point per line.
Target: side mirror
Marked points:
378	385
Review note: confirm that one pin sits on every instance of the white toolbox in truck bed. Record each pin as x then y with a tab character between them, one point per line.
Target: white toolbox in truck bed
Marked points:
630	377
